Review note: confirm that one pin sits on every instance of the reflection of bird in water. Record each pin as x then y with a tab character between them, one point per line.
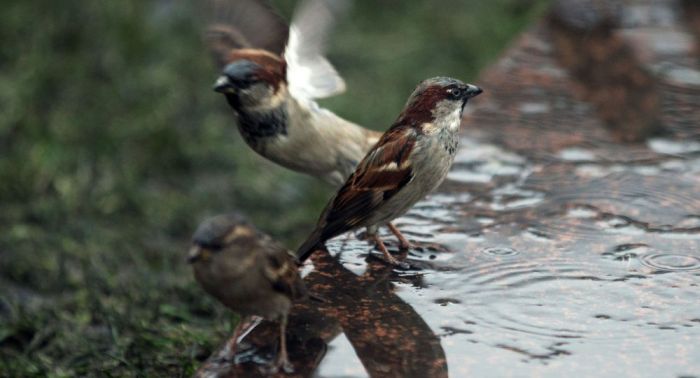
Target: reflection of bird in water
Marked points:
386	333
248	272
271	76
410	160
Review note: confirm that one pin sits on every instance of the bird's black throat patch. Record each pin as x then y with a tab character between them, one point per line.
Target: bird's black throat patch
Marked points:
258	124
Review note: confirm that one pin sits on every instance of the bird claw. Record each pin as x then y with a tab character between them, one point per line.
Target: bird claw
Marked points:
405	246
287	367
393	261
280	363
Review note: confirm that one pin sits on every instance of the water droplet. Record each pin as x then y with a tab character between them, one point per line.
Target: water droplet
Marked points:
581	212
449	331
576	154
625	252
673	147
537	234
671	262
446	301
484	220
500	251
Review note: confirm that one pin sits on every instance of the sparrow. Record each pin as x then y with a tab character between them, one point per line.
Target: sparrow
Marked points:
410	160
271	76
248	272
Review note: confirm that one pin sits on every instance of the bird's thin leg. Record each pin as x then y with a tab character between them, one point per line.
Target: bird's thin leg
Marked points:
233	342
282	357
380	244
403	242
244	326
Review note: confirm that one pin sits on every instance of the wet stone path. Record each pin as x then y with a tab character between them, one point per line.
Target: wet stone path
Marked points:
566	238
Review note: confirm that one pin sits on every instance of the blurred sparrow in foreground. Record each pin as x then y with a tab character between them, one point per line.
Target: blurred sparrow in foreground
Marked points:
409	161
248	272
272	87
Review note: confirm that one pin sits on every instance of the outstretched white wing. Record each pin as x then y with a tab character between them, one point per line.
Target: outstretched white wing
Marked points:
309	74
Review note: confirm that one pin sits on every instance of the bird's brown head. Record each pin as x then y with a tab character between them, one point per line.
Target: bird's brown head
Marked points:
437	98
252	78
217	234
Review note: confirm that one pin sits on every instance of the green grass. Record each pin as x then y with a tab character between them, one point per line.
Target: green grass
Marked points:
113	147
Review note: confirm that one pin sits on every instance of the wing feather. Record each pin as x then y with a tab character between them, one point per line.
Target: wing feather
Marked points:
280	268
236	24
384	172
309	74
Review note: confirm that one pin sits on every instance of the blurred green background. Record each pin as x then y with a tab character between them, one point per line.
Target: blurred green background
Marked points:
113	147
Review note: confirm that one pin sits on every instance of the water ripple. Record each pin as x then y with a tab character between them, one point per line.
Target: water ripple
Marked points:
671	262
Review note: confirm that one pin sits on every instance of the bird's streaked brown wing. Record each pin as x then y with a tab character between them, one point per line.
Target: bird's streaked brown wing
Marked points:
281	270
235	24
385	171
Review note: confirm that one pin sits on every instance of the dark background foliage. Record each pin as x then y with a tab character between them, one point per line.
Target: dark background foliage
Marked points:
113	147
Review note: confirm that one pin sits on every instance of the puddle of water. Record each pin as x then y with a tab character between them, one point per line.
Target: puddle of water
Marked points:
340	361
481	163
558	315
595	275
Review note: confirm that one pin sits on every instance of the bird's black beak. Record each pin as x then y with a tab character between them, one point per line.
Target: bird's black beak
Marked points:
472	91
224	85
195	253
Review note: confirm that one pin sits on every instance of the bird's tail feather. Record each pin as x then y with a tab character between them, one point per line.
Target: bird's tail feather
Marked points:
312	243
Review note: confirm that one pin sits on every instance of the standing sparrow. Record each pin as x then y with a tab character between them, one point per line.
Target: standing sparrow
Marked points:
409	161
246	271
271	76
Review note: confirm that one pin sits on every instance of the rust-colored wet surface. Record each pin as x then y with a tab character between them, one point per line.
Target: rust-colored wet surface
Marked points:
556	247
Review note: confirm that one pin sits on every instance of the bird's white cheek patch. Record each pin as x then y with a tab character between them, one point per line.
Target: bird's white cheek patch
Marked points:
455	119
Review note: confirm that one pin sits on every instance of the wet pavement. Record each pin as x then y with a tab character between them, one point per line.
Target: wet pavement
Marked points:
556	246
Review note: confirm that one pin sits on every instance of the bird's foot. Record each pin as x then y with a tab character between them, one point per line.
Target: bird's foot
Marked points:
285	365
396	262
281	363
275	368
404	244
388	257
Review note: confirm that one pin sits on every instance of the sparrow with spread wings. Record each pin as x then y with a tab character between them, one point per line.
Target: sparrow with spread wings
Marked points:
271	76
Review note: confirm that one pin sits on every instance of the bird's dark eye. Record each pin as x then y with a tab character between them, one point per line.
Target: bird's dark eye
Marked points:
454	93
213	246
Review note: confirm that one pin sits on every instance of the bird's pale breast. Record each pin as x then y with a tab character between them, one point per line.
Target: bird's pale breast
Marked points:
431	160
